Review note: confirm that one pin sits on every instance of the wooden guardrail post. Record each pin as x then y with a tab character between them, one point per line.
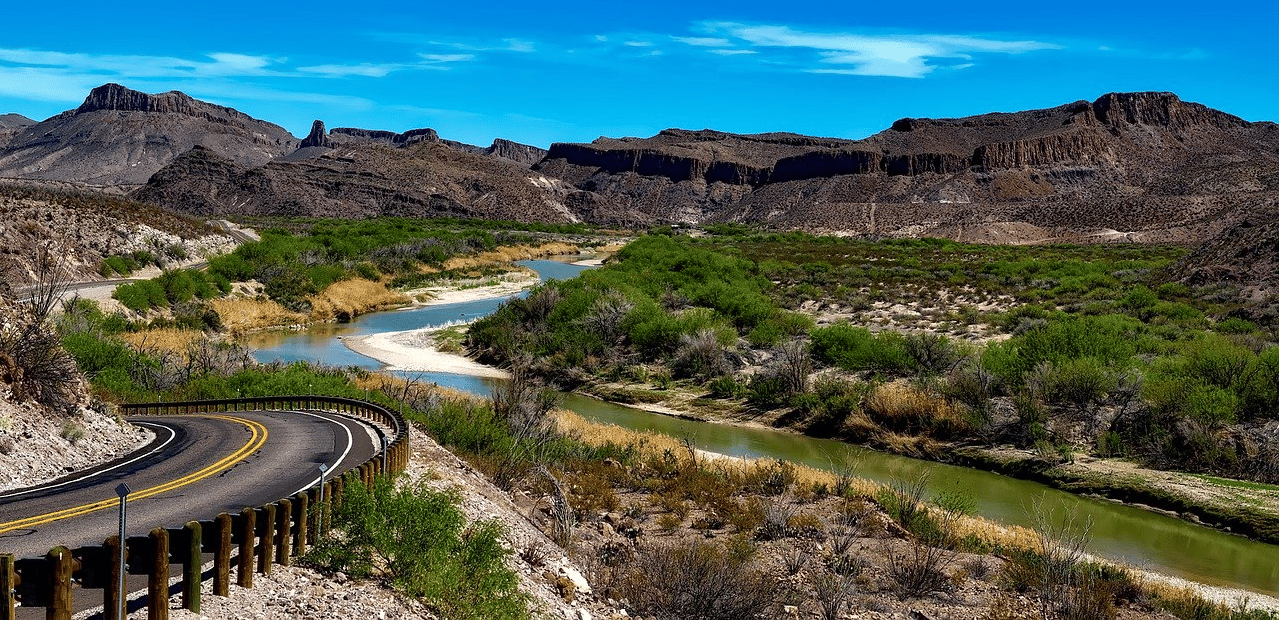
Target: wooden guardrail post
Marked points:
222	556
59	561
8	584
338	484
285	512
191	565
322	509
110	597
248	533
268	539
158	576
302	519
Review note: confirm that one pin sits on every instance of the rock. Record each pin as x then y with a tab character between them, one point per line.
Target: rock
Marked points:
576	578
318	137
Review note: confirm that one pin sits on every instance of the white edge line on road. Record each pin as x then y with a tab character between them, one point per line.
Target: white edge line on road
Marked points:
131	461
350	442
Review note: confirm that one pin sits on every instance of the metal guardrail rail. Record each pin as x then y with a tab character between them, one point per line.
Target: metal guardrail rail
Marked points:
274	533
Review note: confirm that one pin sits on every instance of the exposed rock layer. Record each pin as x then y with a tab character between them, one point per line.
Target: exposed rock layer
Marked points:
1128	166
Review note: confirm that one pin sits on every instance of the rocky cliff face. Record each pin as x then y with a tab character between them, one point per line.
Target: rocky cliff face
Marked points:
121	137
522	154
1127	166
352	135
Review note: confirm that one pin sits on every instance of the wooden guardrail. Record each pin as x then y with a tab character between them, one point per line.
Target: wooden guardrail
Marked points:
264	535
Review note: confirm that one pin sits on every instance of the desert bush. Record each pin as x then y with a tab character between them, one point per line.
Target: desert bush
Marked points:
607	317
919	567
972	385
794	560
522	406
930	353
694	580
701	355
832	592
830	403
767	390
418	540
1111	340
1082	383
903	500
1052	568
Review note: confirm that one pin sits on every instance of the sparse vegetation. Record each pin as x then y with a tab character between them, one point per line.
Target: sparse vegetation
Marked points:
418	540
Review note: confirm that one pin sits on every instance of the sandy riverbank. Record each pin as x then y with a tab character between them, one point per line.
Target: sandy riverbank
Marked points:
415	351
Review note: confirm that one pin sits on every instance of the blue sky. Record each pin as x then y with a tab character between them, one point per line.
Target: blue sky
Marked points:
571	71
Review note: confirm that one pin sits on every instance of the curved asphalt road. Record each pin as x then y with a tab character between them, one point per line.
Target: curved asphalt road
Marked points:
199	465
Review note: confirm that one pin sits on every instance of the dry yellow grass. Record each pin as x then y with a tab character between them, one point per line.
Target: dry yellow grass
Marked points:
508	254
240	315
351	298
594	433
903	404
176	341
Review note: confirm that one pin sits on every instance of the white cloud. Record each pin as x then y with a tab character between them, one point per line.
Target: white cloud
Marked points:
361	70
225	63
221	64
638	43
42	84
520	45
733	52
704	41
440	59
892	55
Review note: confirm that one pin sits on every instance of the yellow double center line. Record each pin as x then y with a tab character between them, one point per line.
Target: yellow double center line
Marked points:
256	440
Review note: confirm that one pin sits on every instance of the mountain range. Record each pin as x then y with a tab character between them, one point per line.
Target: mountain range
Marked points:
1144	167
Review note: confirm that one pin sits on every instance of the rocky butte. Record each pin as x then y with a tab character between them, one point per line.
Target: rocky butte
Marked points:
121	137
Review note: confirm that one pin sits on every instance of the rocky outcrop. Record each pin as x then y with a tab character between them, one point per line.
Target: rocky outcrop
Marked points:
352	135
120	136
522	154
1162	110
317	138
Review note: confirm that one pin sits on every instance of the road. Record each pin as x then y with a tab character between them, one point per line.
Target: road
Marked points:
198	466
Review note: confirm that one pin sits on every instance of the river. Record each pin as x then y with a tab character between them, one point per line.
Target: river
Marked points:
1131	536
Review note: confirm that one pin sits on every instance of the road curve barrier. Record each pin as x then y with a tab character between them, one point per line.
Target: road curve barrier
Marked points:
261	536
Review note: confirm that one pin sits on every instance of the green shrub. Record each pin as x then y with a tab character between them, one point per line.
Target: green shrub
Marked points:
1110	340
419	539
726	387
857	349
